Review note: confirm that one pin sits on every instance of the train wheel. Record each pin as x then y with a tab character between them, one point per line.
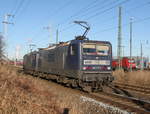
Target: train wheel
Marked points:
58	80
88	89
74	84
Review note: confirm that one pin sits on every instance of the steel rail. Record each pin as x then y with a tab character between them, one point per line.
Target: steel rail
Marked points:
130	104
133	87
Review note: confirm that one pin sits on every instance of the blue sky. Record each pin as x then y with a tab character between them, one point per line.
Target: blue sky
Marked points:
32	16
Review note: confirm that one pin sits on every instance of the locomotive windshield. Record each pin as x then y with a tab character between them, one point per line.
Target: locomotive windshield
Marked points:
89	48
98	49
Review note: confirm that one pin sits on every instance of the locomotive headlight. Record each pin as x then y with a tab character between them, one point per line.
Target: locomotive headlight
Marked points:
87	68
108	68
84	68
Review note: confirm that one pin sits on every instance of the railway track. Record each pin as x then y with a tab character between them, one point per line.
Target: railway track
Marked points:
128	104
145	90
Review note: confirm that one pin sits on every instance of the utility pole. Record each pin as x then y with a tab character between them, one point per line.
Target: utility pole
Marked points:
57	36
5	27
131	43
141	57
119	37
48	28
6	22
1	46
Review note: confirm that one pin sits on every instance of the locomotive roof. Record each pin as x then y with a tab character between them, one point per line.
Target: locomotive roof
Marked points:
61	44
91	41
48	48
57	45
68	42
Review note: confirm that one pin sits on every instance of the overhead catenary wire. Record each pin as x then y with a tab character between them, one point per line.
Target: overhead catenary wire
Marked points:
18	7
124	25
136	7
86	11
98	9
15	7
59	9
105	10
127	11
144	4
70	25
112	18
72	16
108	9
103	30
94	9
78	13
82	10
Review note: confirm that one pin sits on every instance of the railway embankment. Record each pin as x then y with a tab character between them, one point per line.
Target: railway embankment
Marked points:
24	94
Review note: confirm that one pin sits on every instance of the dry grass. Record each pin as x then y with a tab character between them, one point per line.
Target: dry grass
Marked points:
141	78
21	95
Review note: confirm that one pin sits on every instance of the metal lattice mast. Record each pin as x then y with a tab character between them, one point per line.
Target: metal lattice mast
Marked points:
5	27
119	37
131	43
1	46
5	22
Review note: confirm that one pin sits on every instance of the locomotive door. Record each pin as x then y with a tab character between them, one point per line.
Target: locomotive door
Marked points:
37	61
73	58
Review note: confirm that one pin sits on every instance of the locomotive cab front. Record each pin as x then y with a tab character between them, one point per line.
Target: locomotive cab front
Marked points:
96	58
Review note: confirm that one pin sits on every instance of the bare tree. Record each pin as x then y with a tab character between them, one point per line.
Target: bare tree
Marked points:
1	46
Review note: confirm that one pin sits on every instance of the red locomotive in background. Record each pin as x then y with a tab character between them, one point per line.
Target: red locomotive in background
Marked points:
124	63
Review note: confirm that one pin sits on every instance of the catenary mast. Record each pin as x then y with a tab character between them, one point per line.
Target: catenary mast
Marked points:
119	37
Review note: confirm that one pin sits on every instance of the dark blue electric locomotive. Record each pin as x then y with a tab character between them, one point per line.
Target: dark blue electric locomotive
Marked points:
80	63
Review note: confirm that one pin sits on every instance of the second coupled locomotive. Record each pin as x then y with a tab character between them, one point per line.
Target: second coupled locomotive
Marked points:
79	63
